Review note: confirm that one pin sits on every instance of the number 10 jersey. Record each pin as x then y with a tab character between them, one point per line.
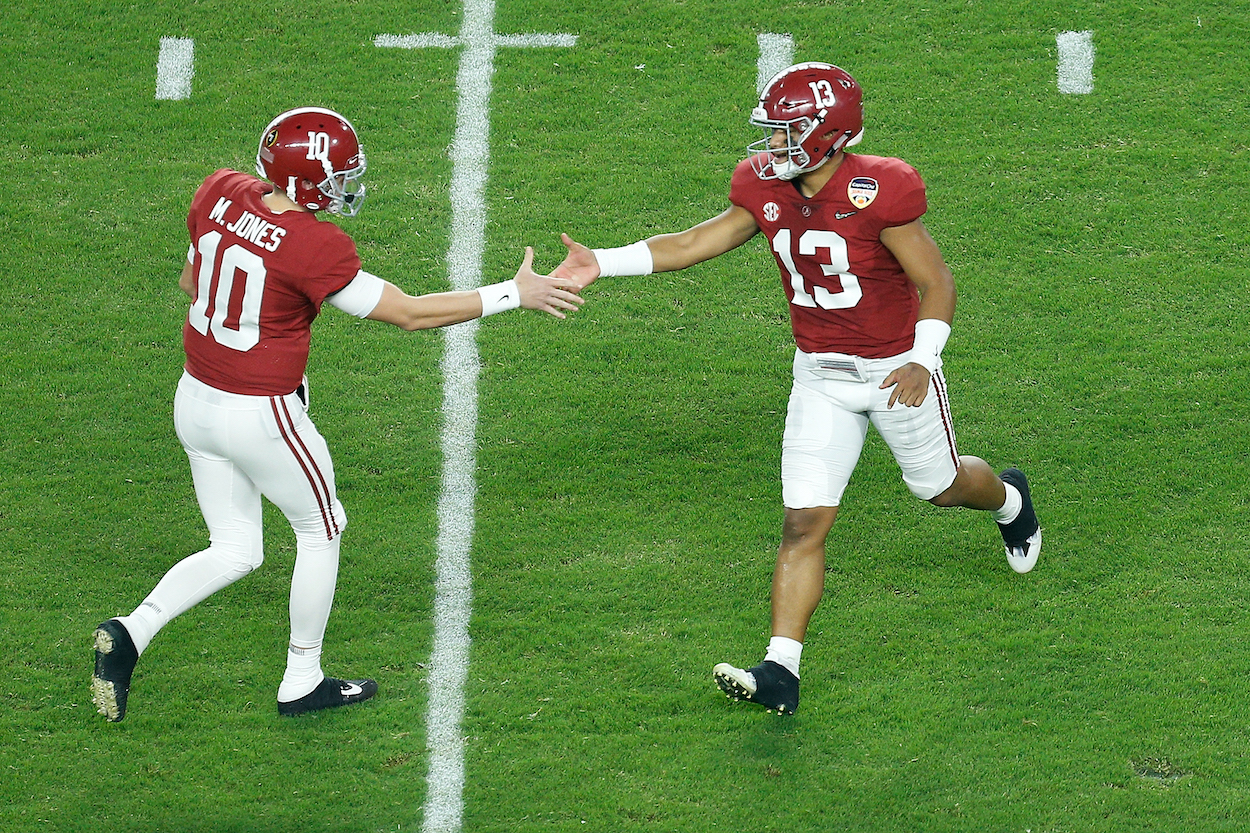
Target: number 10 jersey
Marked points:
260	279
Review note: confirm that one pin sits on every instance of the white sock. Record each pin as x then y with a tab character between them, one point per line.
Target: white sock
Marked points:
785	652
143	624
312	594
1011	507
303	673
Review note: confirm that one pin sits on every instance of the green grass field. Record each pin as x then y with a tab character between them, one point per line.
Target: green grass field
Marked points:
628	502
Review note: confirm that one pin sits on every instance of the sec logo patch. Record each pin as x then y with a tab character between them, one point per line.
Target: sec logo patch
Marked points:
861	191
771	212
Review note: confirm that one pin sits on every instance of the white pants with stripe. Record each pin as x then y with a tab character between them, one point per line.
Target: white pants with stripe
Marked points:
242	448
832	402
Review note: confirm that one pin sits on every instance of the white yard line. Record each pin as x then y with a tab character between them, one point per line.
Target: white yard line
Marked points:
1076	62
453	591
175	67
776	53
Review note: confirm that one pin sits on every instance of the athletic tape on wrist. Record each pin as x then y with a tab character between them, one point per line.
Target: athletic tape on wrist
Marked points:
499	297
931	336
634	259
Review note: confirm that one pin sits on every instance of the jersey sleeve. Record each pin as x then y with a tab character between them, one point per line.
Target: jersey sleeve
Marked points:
908	201
332	263
740	185
360	297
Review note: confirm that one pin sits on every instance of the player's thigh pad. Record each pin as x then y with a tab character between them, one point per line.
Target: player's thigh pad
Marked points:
298	476
272	440
922	439
826	421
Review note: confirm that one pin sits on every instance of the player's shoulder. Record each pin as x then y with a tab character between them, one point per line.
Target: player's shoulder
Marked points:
225	182
884	189
320	242
744	168
881	168
235	182
745	180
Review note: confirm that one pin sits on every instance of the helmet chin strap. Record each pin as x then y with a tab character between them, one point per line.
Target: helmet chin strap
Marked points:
787	170
290	188
790	169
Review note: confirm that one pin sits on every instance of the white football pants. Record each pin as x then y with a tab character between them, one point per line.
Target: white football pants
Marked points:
833	400
240	448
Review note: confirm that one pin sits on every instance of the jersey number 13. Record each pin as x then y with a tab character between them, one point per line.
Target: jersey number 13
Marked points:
839	265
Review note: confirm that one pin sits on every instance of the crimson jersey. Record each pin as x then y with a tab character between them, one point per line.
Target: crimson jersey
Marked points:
260	279
847	292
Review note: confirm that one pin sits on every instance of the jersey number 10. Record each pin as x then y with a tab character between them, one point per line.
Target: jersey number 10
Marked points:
211	311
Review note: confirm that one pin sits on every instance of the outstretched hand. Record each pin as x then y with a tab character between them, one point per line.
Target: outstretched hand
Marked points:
551	294
911	384
579	267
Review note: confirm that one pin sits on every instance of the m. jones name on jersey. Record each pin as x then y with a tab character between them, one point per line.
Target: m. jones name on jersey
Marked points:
248	226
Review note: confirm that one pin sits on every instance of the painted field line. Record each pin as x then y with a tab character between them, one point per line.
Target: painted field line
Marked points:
776	53
461	364
1076	62
175	67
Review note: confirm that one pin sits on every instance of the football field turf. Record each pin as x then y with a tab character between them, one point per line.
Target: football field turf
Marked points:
623	511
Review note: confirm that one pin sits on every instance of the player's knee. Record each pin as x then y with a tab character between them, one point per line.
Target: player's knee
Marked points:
241	557
945	499
939	494
319	526
240	560
807	528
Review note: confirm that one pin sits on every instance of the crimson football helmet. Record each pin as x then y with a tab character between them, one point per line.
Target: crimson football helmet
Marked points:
816	108
314	156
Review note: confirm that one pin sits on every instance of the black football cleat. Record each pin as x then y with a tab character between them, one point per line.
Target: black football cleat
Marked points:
330	693
1022	538
768	684
115	659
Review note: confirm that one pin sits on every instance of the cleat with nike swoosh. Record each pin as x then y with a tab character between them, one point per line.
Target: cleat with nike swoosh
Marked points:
1022	538
329	694
769	684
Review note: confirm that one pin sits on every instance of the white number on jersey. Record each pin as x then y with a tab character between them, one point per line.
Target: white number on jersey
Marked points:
839	264
234	260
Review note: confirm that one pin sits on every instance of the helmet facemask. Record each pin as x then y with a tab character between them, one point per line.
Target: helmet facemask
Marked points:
793	158
789	160
344	189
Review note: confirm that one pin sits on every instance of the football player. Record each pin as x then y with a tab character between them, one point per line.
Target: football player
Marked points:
260	264
871	303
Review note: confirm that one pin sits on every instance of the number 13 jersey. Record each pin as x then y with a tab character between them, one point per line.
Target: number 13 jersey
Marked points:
260	279
847	292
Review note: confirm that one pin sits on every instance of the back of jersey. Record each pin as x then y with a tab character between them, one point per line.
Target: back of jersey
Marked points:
260	279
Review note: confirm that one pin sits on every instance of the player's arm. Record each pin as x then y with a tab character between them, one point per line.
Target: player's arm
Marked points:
186	281
920	258
662	253
918	254
439	309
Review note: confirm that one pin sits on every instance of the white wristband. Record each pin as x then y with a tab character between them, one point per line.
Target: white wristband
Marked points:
931	335
499	297
634	259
